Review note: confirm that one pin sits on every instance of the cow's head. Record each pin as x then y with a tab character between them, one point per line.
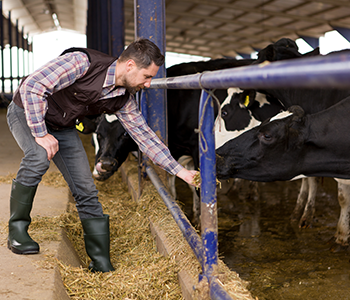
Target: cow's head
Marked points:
112	145
241	111
268	152
282	49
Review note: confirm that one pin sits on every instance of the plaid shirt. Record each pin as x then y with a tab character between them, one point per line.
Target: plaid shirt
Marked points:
62	72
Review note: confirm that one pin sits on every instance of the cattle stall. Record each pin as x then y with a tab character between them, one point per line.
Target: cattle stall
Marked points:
309	72
305	73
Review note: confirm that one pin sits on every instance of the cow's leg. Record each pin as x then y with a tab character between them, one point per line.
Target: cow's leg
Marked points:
305	207
309	210
343	228
301	201
188	163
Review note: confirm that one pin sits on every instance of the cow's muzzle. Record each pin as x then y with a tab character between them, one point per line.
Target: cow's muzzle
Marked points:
105	168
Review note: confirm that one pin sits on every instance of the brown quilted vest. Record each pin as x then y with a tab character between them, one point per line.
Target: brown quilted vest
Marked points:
70	105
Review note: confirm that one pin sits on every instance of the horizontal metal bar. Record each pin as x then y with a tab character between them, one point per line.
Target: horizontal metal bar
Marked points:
185	226
217	292
331	71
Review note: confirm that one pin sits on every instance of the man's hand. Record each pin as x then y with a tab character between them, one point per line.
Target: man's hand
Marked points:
49	143
188	176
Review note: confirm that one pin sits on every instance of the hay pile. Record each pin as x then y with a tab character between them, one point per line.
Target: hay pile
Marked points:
141	273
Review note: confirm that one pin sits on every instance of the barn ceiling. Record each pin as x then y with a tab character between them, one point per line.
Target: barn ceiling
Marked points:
202	27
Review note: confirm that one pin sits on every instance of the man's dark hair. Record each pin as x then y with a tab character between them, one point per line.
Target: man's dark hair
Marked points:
143	52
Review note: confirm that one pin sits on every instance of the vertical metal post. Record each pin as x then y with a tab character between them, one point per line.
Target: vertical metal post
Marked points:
117	33
2	48
150	24
23	53
17	44
88	25
93	26
104	26
208	185
9	24
28	56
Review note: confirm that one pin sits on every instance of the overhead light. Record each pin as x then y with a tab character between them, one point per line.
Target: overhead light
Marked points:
55	20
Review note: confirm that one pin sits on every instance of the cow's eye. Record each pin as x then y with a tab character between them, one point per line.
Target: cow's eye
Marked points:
223	113
264	136
125	133
267	136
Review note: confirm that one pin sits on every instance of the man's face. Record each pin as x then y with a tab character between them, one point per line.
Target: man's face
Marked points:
136	79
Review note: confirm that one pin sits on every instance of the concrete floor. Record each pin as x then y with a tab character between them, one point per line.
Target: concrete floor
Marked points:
23	276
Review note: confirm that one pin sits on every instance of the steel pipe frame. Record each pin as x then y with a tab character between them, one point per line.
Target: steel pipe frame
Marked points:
207	162
332	71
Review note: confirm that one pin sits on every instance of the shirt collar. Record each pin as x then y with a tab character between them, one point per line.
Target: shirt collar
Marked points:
110	77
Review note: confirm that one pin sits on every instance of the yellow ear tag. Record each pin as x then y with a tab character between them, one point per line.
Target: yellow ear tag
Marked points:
80	127
246	102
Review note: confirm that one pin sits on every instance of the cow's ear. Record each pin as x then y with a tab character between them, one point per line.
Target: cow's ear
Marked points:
295	128
298	113
248	97
268	54
87	125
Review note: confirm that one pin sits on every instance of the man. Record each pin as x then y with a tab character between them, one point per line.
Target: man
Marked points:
42	118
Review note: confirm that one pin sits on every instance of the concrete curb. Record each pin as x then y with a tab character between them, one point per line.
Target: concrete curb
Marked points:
27	276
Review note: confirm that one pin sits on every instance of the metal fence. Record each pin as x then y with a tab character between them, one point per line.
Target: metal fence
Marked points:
318	72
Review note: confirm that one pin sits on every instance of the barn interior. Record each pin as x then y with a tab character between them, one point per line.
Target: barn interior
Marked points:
215	29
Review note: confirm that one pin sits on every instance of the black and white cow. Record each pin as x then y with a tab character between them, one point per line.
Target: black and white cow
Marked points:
292	145
112	146
225	130
312	101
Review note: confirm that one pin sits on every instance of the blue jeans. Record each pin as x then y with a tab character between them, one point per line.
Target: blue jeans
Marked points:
71	160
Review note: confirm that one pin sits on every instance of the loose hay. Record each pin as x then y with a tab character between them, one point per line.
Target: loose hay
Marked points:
197	180
141	272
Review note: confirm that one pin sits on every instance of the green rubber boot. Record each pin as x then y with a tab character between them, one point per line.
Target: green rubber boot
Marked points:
97	243
21	203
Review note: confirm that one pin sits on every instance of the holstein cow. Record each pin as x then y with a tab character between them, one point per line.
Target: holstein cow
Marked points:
225	130
287	49
296	144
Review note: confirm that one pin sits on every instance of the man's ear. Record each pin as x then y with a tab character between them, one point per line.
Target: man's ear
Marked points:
130	65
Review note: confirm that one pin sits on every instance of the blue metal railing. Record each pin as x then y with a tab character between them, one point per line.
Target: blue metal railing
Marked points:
331	71
318	72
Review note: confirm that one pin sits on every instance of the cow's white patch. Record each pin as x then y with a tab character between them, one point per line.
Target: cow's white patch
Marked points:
223	136
96	144
281	115
95	173
261	98
111	118
343	181
230	92
299	177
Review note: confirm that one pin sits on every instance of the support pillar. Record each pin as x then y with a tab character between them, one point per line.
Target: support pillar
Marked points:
150	24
